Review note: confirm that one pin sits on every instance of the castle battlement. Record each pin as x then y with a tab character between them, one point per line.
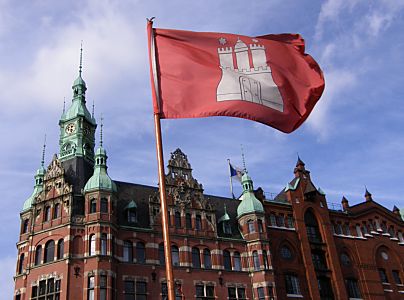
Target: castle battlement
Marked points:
225	50
255	46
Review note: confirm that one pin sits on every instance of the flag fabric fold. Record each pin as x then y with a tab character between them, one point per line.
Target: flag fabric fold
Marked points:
236	172
269	79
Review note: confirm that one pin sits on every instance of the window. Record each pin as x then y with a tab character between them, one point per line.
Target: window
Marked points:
103	287
280	220
175	255
129	289
396	276
207	261
226	227
353	288
291	222
256	261
205	292
226	260
21	264
25	226
272	219
292	284
196	259
38	255
359	231
198	222
338	228
47	214
90	290
92	245
46	289
391	232
141	290
49	251
237	261
60	249
265	257
365	228
188	221
177	291
400	237
236	293
177	220
104	205
345	260
384	227
260	226
383	276
104	241
319	261
93	206
140	253
325	289
347	230
56	211
312	229
286	253
261	293
251	227
162	258
127	251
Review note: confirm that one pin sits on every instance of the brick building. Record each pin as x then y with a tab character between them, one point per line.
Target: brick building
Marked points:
85	236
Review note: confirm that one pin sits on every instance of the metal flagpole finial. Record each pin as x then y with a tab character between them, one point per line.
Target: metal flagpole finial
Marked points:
81	57
92	113
64	104
101	125
43	152
243	157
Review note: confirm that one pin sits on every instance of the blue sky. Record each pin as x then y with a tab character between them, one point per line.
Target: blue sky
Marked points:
353	137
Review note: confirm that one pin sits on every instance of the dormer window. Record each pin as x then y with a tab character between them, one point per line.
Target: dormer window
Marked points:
132	215
226	227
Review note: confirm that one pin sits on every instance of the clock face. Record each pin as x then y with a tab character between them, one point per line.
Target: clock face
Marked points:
70	128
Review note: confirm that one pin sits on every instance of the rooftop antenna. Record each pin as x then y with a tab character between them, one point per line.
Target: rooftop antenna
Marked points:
243	157
43	152
81	57
101	125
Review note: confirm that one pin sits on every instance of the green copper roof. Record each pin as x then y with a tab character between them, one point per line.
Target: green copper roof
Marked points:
40	173
78	108
100	179
79	81
132	204
249	203
292	187
225	216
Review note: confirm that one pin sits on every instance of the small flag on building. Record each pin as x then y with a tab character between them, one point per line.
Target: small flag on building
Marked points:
236	172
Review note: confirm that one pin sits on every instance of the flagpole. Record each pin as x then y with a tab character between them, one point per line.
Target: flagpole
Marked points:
160	162
231	180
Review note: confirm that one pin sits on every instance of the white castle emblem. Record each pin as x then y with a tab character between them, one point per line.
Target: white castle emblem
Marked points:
253	84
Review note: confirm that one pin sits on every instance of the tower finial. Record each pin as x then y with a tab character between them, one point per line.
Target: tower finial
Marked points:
64	104
81	57
92	113
102	119
43	152
243	157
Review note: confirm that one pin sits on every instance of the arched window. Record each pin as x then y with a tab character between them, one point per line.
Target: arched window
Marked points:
127	251
60	249
56	211
93	206
140	253
256	261
175	255
272	219
198	222
226	260
104	205
49	251
162	258
188	221
260	226
196	258
345	260
265	257
226	227
104	244
92	245
251	227
313	231
21	264
38	255
47	214
237	261
177	220
25	226
207	260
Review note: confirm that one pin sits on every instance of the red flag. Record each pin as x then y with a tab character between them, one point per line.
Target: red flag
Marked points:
268	79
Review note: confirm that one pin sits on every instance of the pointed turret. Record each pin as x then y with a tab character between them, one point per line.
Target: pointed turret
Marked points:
100	179
249	203
39	176
345	203
300	168
368	195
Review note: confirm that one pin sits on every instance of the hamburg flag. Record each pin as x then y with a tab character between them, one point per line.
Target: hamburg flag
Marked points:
269	79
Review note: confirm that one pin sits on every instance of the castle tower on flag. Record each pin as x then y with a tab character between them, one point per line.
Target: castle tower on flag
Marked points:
246	82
